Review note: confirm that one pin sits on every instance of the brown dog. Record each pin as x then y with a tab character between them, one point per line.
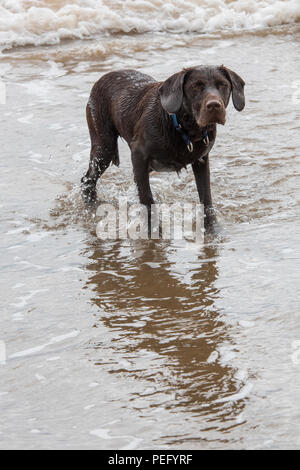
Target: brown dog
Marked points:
167	125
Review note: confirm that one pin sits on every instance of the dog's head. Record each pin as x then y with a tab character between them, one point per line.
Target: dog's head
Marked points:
201	94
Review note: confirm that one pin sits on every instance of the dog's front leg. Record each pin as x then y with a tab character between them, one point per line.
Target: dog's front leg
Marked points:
202	177
140	165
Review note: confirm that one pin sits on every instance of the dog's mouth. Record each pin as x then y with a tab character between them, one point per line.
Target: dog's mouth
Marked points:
212	118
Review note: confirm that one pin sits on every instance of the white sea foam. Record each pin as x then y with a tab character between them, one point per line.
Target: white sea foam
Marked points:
36	22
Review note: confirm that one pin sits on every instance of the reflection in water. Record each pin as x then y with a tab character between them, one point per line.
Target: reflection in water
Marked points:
157	301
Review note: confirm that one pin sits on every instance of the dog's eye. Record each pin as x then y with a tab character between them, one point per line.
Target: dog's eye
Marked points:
198	86
221	85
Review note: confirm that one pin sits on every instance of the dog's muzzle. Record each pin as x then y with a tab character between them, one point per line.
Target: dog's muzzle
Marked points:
212	111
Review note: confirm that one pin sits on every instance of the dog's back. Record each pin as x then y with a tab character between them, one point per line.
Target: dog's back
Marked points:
116	96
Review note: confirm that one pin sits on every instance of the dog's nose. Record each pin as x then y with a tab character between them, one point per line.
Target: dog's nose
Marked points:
213	105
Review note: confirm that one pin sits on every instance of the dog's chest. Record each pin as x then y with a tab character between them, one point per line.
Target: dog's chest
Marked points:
176	161
166	166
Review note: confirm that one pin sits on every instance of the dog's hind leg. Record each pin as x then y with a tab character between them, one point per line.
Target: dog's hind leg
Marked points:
104	150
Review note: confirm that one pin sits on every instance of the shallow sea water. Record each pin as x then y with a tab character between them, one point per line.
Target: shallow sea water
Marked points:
150	344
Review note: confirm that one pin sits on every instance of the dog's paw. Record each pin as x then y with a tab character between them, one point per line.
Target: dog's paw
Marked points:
211	224
214	231
88	191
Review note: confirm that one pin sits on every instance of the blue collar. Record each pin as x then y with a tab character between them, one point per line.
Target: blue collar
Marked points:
184	135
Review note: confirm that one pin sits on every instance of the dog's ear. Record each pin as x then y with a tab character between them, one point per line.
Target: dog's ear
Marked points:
171	92
237	88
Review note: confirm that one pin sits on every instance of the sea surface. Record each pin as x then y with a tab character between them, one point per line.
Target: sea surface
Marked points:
158	344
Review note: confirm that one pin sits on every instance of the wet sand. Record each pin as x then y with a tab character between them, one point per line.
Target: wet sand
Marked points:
150	344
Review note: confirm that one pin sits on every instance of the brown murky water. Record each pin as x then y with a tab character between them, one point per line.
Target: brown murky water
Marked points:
150	344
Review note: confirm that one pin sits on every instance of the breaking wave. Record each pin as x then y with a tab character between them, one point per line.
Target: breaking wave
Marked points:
37	22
